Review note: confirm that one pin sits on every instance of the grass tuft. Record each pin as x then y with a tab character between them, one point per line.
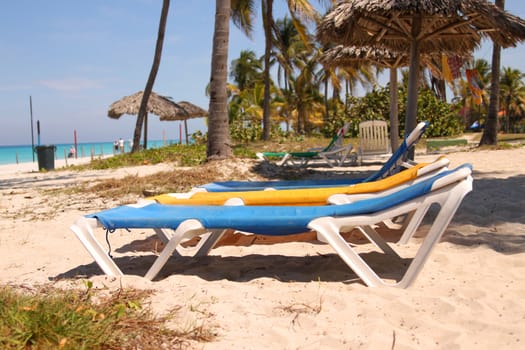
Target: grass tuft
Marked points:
49	318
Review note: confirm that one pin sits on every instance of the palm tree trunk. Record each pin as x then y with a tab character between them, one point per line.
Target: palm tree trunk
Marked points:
267	22
507	114
490	132
219	145
146	130
151	79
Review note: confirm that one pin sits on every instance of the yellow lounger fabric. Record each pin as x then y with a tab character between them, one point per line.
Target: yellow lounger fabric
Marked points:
311	196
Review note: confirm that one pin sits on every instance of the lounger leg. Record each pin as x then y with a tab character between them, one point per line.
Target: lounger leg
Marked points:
208	243
180	250
415	221
330	233
397	223
376	239
83	229
284	160
441	222
186	229
163	235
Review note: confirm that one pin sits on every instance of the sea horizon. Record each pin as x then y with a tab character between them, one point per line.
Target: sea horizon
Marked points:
15	154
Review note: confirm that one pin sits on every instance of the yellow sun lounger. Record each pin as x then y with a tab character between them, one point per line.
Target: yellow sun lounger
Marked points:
310	196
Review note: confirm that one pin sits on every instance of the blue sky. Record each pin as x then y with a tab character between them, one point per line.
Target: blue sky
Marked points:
77	57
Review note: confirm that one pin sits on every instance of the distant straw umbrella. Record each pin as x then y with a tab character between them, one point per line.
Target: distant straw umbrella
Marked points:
341	55
157	104
419	27
189	110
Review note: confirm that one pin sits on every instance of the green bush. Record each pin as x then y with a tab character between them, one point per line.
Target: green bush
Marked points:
443	117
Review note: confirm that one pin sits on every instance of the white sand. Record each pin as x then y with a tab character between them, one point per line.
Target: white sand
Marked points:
26	167
299	295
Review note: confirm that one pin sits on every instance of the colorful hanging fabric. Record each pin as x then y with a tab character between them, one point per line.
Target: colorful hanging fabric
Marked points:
474	85
445	69
455	63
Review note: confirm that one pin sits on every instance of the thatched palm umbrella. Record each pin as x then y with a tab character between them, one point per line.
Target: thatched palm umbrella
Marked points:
419	26
341	55
157	104
188	110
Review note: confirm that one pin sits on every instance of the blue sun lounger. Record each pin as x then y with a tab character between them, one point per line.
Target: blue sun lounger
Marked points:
447	188
395	163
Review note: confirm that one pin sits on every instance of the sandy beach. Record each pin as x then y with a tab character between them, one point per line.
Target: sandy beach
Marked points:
296	294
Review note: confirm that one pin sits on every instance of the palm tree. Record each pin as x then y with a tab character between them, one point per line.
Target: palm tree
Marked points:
328	75
246	70
285	41
299	10
242	15
512	94
490	132
141	117
307	103
219	146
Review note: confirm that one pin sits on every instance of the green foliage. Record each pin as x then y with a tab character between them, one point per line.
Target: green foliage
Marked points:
184	155
245	133
443	117
336	118
375	105
242	151
437	144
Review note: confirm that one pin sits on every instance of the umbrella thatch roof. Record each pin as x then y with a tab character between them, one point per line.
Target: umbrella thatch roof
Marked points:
189	110
454	26
341	55
157	104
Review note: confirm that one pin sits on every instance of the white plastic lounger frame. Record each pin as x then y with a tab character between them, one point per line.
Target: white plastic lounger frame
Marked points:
448	195
447	191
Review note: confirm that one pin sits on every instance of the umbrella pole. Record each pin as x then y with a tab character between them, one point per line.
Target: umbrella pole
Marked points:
413	79
394	119
186	129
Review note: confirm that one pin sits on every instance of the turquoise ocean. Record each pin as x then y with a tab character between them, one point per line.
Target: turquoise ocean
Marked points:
24	153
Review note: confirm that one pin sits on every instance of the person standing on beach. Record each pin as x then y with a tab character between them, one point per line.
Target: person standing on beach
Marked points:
121	145
72	152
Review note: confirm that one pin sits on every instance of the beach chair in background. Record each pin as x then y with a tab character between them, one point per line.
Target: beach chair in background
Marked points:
397	162
335	154
301	196
447	189
374	142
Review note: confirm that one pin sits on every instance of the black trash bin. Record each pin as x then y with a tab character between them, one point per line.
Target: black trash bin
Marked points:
46	157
